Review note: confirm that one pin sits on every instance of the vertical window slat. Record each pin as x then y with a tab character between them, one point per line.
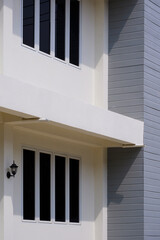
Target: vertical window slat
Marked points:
74	190
60	29
28	185
45	19
60	163
74	31
28	22
45	189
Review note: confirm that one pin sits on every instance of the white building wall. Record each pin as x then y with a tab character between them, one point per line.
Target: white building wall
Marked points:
1	35
101	194
101	53
15	227
1	183
88	82
31	66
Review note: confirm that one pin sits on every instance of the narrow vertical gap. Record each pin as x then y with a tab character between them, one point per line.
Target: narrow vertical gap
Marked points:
28	184
60	7
45	187
60	176
45	19
74	31
28	22
74	190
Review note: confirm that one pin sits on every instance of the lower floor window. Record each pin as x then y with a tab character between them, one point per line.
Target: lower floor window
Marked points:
57	182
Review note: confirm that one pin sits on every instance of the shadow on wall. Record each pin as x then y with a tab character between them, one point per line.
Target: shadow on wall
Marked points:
126	57
121	17
125	174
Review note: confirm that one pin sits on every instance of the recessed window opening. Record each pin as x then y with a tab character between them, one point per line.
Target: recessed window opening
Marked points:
74	190
60	185
60	9
45	26
28	185
45	187
28	22
74	32
52	183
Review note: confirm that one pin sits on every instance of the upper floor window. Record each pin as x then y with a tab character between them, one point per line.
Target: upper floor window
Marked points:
28	22
45	18
61	15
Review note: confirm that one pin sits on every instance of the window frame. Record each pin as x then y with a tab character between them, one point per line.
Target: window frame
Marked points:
36	47
52	186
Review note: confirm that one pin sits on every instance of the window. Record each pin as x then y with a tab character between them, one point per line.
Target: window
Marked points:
65	19
28	22
60	17
74	190
62	183
45	187
28	184
45	26
74	32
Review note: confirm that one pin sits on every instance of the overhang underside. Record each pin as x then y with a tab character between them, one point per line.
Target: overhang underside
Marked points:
45	112
47	128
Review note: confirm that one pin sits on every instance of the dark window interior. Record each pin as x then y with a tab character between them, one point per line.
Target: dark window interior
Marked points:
60	29
28	22
45	190
74	32
45	26
60	188
74	190
28	185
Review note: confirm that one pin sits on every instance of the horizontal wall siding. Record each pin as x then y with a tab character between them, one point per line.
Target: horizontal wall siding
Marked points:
152	121
125	194
126	57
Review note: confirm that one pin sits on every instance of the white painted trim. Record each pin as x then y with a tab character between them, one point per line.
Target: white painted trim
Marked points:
37	24
53	28
37	186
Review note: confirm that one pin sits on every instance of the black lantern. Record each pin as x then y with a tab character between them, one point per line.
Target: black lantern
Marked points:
13	168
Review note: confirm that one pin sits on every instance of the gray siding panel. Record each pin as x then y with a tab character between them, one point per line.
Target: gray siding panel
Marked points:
126	57
152	121
134	90
125	194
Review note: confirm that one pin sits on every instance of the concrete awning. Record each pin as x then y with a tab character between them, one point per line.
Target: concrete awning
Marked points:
71	115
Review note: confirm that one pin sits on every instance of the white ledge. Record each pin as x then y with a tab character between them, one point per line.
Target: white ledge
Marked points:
26	99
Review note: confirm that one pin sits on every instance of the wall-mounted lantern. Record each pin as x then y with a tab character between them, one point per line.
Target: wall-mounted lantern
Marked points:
13	168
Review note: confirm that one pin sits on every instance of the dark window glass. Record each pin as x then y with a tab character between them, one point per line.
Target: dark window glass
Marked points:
60	29
45	26
28	184
74	32
28	22
45	190
60	189
74	190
